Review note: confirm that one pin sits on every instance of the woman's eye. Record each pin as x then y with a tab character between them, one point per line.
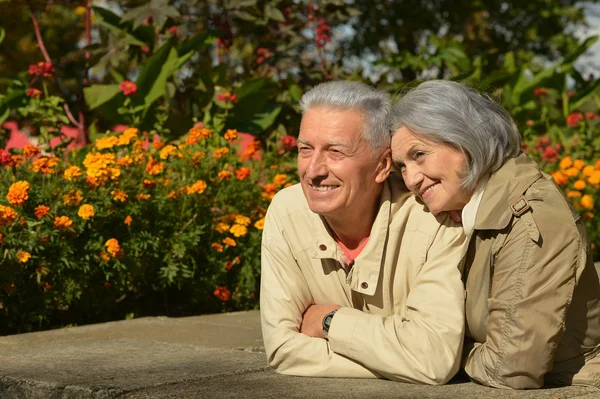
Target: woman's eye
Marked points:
419	154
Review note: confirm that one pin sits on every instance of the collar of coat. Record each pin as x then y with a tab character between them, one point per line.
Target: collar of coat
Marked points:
503	189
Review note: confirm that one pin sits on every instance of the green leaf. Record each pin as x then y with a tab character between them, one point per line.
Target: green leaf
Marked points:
4	114
583	96
96	95
2	34
273	13
295	92
569	59
112	22
158	10
265	119
153	77
197	42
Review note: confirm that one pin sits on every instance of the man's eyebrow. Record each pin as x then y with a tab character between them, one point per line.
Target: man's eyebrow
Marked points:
330	144
302	141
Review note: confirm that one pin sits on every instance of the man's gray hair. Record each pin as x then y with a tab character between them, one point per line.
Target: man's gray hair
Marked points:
451	113
374	104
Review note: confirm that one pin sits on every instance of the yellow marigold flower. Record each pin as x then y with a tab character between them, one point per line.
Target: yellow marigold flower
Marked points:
166	151
72	198
7	215
62	222
260	224
31	150
229	241
222	227
41	211
225	175
579	164
196	188
594	179
119	195
238	230
128	220
218	153
127	135
18	193
80	11
72	172
86	211
142	196
23	256
93	182
125	161
231	135
106	142
173	195
217	247
579	185
45	165
154	167
566	163
243	220
101	167
280	179
105	256
113	247
573	194
572	172
587	202
588	171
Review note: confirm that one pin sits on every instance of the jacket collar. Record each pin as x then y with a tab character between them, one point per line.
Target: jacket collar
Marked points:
503	189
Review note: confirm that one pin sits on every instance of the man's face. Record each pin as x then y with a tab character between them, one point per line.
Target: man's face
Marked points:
339	175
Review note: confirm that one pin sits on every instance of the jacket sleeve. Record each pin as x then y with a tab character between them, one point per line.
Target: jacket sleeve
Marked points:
284	297
423	346
533	277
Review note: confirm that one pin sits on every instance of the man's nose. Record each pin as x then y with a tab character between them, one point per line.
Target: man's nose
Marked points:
317	166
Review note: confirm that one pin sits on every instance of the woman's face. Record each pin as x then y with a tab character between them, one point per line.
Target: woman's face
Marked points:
430	170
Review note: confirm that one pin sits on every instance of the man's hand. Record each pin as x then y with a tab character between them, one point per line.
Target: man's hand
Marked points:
312	320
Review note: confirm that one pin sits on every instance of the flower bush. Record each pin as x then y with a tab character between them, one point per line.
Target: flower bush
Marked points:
131	225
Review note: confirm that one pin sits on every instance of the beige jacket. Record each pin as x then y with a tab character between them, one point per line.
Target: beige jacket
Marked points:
402	302
533	297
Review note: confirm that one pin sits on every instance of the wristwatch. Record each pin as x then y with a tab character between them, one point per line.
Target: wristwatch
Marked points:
327	321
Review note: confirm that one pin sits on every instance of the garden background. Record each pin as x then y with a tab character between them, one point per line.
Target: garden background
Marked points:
141	141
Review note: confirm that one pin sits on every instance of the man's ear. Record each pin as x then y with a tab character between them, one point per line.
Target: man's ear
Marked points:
384	166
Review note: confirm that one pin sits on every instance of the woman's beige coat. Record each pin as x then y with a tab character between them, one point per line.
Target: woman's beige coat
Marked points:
533	297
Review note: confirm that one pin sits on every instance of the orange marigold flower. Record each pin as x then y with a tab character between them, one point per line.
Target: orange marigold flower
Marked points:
260	224
127	135
104	256
588	216
243	220
242	173
578	164
128	220
154	167
238	230
173	195
229	241
566	163
222	293
280	179
23	256
196	134
106	142
45	165
222	227
251	150
125	161
218	153
113	247
31	150
62	222
170	150
196	188
588	171
148	184
72	172
93	182
142	196
86	211
198	157
573	194
579	185
101	167
7	215
17	160
224	175
72	198
597	164
119	195
572	172
18	193
231	135
41	211
594	179
217	247
587	202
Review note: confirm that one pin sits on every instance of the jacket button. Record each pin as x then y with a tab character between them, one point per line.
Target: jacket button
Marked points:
364	285
323	247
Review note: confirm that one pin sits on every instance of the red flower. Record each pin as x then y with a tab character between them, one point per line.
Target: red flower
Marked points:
540	91
174	31
129	88
288	143
33	93
227	97
550	155
591	115
222	293
5	157
530	122
145	49
44	69
263	54
574	119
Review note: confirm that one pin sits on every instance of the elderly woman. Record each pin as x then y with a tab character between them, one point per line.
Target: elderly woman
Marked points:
532	292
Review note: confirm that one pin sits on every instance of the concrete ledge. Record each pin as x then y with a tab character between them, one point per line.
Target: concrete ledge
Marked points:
193	357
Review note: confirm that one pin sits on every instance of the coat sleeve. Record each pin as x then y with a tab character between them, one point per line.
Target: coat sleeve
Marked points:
423	346
284	297
533	277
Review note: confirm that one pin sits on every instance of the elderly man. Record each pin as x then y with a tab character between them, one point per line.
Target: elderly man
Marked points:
358	280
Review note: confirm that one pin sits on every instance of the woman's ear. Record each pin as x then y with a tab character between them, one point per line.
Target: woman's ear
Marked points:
384	166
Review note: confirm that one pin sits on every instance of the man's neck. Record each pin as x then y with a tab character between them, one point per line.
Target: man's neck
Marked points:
353	230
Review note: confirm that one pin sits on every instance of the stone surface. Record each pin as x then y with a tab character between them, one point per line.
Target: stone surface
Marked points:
193	357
